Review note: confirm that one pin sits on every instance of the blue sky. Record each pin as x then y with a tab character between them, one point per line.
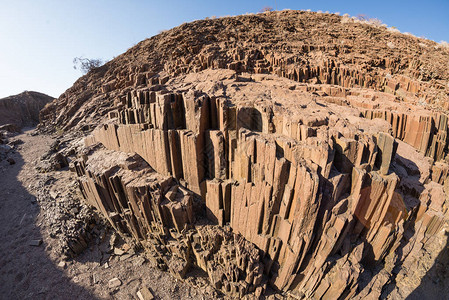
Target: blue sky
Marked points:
39	39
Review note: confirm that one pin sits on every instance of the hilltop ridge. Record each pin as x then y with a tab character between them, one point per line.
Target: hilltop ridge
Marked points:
302	46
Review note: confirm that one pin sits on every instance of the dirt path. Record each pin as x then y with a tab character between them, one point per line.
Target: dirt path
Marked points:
26	272
37	272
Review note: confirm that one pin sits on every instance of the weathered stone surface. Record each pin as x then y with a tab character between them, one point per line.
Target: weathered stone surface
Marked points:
305	198
159	214
145	294
114	283
292	167
35	243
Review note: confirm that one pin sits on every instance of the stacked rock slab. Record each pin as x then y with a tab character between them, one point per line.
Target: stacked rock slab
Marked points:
305	47
301	174
427	133
160	215
315	202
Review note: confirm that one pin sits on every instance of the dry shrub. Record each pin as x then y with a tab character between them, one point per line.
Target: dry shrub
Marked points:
266	9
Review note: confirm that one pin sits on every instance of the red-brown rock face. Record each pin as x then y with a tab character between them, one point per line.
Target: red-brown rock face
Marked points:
325	162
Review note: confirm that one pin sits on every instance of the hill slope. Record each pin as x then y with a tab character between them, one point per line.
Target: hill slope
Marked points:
299	151
302	46
22	109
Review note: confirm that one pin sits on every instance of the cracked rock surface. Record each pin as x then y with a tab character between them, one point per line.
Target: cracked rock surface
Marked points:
279	155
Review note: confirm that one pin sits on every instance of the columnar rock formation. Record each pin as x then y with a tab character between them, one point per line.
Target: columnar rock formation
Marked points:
161	214
308	192
302	46
270	159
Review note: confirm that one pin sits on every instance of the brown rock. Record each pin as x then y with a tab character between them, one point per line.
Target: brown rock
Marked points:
145	294
297	177
114	283
35	243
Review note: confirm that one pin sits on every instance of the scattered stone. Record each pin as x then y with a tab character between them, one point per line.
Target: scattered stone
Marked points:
145	294
9	127
62	264
54	194
125	247
118	251
138	261
125	256
35	243
114	283
5	148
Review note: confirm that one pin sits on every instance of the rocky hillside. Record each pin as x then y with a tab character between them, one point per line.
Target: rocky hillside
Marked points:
302	46
294	153
23	109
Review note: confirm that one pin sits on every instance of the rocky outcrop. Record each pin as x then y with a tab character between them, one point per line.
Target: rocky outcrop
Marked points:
161	215
288	156
315	194
23	109
302	46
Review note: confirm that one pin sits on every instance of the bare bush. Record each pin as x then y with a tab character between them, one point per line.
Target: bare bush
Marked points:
86	65
266	9
346	19
409	34
361	17
393	29
364	19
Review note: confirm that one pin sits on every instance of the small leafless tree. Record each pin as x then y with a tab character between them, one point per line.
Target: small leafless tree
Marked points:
86	64
367	20
266	9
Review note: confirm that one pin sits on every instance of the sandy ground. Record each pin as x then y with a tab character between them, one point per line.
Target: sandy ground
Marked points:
37	272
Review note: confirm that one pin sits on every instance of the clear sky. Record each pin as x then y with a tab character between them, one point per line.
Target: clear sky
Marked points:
40	38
